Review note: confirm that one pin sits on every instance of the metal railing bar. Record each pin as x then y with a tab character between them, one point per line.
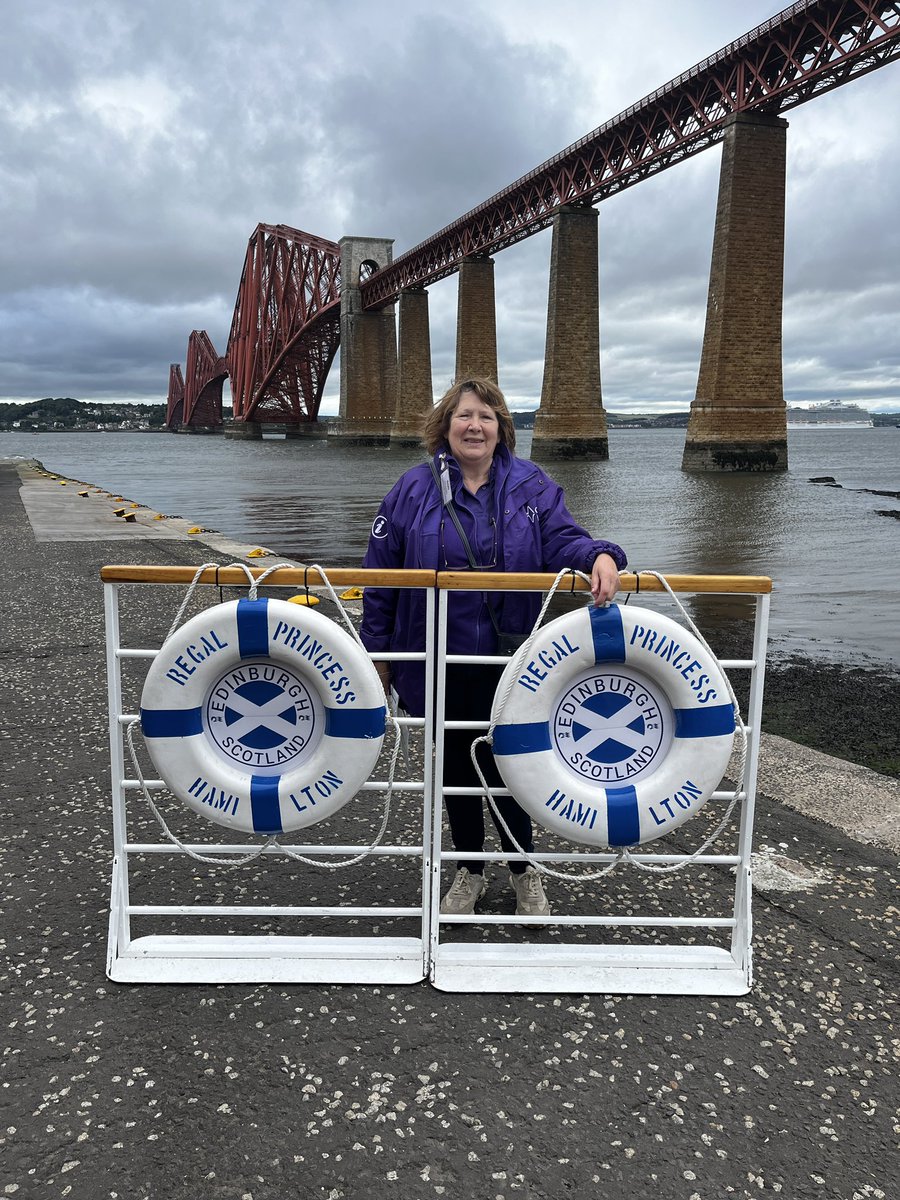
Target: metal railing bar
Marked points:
280	849
474	791
371	785
641	922
725	860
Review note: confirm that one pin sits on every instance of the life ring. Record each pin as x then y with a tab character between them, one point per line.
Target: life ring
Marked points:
263	716
618	726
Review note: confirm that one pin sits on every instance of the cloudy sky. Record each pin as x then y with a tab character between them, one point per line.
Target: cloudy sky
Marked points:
141	143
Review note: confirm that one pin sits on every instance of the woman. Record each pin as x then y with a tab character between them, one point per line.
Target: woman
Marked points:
511	517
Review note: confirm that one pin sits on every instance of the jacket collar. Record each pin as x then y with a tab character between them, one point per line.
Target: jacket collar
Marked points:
501	465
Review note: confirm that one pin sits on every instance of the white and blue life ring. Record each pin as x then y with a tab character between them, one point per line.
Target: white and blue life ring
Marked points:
618	726
263	716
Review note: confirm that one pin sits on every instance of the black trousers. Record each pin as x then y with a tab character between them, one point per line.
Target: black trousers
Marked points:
468	697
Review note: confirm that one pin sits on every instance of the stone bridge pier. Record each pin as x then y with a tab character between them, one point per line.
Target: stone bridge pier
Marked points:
368	349
414	384
570	422
476	320
738	420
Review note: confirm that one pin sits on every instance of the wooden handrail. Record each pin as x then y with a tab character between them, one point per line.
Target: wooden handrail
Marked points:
446	580
282	577
497	581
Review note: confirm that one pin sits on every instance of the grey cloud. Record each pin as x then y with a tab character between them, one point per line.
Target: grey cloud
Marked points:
442	120
141	144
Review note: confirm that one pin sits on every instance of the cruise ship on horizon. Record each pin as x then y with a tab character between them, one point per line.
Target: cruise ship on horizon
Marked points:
834	413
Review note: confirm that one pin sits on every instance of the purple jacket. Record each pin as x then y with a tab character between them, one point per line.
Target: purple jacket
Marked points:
534	532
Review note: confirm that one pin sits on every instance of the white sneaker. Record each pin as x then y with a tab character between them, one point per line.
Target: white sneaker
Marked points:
463	894
530	898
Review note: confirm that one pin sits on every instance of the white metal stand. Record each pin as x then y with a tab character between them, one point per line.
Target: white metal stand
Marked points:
510	965
253	957
681	968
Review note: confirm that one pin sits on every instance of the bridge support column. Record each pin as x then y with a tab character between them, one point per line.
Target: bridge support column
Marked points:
243	430
368	350
476	320
415	393
303	432
570	422
738	420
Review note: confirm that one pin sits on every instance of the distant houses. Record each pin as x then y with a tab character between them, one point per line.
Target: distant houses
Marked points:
58	414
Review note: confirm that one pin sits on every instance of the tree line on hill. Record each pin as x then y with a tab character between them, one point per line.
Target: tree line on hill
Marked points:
62	412
675	420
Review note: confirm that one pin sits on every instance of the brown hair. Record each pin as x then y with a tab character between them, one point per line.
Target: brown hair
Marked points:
437	422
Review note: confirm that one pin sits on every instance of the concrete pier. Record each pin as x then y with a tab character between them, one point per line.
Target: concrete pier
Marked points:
738	420
342	1092
305	431
243	430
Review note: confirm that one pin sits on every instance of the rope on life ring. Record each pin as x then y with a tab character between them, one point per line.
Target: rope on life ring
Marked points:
262	716
617	729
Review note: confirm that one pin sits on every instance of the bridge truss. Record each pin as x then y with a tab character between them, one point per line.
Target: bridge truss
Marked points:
206	374
175	400
286	326
811	47
285	330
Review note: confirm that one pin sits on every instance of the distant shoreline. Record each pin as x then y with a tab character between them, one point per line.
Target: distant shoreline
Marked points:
612	427
41	432
65	414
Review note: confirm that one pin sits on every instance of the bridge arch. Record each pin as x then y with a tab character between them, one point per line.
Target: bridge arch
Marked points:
175	400
286	326
206	375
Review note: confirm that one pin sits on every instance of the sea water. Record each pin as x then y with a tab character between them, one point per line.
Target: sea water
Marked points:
832	553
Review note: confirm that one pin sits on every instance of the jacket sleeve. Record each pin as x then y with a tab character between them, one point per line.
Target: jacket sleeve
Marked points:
386	550
565	543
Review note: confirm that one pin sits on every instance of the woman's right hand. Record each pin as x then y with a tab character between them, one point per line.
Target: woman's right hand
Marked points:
604	578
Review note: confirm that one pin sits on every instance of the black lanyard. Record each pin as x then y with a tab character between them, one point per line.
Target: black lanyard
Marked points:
447	501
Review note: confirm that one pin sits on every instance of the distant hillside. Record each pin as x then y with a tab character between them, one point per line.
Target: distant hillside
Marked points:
676	420
62	412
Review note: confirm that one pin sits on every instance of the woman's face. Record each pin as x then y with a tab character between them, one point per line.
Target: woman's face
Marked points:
474	431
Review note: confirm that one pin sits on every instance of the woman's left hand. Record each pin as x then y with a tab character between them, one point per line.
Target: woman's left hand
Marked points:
604	578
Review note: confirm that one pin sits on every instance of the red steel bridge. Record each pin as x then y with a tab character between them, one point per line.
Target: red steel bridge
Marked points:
197	403
285	331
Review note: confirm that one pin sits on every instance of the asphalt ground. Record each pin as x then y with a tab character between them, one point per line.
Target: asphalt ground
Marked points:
259	1091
